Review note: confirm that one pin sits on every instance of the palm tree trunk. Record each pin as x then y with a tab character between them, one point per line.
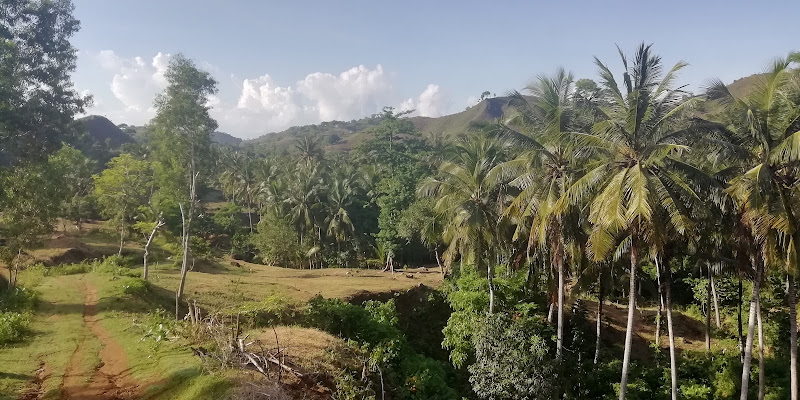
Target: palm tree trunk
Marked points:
600	299
761	373
708	310
673	359
660	314
739	320
715	296
748	347
623	390
791	298
559	261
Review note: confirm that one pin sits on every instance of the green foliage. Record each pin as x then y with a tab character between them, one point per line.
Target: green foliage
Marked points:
13	326
76	172
122	188
37	98
511	361
350	388
276	241
16	306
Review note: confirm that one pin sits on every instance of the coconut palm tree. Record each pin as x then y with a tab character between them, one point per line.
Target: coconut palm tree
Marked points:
636	185
543	171
341	193
766	127
468	191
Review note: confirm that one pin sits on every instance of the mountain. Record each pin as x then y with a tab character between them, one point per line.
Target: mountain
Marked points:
488	110
343	136
100	130
225	139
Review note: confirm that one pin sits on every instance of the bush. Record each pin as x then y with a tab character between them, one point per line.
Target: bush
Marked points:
136	287
511	361
13	326
273	310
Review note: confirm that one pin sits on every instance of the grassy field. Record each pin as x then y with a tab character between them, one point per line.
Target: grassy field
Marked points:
94	330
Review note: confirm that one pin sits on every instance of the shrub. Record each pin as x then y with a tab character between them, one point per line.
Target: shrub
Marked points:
13	326
511	361
136	287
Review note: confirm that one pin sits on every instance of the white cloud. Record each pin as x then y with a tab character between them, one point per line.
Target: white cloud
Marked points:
134	83
432	102
260	105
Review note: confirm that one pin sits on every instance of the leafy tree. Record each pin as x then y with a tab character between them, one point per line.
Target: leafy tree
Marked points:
30	201
121	189
37	99
181	135
76	170
276	241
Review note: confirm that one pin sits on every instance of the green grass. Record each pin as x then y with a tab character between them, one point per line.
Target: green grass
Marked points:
55	331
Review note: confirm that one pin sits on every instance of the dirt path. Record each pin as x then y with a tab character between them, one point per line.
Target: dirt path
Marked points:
111	379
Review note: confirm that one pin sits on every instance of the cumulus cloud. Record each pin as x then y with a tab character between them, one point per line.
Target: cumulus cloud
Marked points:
261	105
135	82
432	102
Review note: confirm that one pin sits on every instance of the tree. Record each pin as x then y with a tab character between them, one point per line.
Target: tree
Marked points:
181	134
637	181
30	201
468	191
767	122
121	188
543	172
421	222
76	170
37	99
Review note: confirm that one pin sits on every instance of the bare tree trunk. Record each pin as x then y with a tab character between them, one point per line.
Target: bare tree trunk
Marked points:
791	298
626	359
439	262
761	373
186	222
708	310
600	299
748	348
558	254
159	224
121	236
715	296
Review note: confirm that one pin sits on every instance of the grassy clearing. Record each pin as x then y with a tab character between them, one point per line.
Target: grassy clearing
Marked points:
220	285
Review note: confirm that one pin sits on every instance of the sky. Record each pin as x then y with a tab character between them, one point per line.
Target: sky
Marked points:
285	63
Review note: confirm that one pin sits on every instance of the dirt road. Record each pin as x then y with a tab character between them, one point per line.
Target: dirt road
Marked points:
110	379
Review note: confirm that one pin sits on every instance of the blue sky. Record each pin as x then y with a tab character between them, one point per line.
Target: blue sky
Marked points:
283	63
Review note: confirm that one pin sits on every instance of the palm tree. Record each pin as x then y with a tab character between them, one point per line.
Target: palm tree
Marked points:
302	199
468	190
544	170
637	184
766	126
340	197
